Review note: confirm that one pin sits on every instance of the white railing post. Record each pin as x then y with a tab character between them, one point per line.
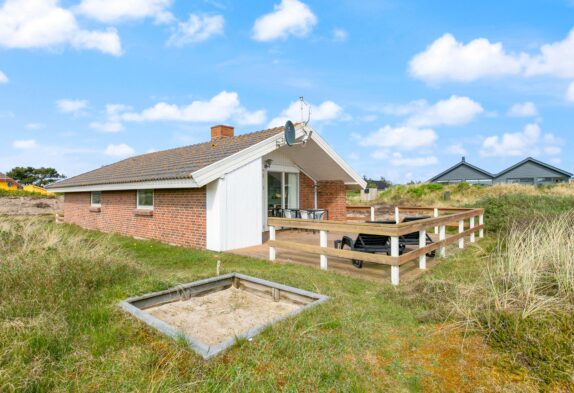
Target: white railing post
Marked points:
436	215
472	226
461	230
272	250
323	243
372	213
481	222
394	253
422	243
397	216
442	236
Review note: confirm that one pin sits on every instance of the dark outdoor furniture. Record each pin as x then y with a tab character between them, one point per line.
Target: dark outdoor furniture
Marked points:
367	243
410	239
306	214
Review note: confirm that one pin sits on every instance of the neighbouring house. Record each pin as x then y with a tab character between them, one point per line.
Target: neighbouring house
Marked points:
527	171
37	189
215	195
7	183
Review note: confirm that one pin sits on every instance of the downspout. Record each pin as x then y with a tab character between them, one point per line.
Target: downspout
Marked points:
315	186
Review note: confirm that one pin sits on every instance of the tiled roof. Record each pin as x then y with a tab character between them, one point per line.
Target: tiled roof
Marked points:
178	163
3	177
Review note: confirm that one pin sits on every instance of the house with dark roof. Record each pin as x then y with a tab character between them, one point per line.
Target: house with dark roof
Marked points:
527	171
215	195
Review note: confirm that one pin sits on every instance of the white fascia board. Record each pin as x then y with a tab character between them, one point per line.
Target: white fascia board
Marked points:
342	163
143	185
220	168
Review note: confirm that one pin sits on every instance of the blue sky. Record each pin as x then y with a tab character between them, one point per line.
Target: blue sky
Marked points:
399	89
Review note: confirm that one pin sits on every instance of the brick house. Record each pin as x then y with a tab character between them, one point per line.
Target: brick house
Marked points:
215	195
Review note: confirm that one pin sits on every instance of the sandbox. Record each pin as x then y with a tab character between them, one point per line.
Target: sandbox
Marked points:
210	315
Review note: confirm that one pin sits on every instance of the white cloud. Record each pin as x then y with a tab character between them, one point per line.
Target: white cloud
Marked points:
452	111
121	150
25	144
328	110
525	109
196	29
109	126
406	138
220	108
529	142
340	35
447	59
556	59
291	17
71	106
115	10
456	149
570	92
397	159
3	78
35	126
44	24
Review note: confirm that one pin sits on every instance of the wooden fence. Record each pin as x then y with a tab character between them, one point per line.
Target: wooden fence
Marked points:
442	217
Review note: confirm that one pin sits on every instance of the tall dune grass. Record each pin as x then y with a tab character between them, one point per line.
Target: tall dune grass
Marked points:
51	309
524	301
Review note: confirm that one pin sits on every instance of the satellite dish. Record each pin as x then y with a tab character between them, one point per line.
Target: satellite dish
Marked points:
289	133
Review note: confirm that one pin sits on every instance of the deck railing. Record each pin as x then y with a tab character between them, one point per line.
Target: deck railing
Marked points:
442	217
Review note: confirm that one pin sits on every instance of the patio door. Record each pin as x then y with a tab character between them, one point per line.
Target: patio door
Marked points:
281	192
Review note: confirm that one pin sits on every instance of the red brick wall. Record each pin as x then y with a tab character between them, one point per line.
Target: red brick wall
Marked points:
179	215
331	195
306	192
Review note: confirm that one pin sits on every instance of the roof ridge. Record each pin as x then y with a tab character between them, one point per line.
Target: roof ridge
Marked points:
177	162
200	143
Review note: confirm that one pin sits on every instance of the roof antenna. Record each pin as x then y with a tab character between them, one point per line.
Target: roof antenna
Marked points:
289	133
303	105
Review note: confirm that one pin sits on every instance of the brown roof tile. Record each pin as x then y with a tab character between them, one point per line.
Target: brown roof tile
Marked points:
178	163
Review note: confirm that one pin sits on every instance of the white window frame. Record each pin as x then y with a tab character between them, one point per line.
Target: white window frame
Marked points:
145	207
92	199
283	186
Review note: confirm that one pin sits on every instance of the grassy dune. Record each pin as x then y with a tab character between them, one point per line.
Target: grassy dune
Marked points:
60	329
460	194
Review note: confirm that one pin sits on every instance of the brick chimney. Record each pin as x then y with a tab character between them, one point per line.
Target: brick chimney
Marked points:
221	131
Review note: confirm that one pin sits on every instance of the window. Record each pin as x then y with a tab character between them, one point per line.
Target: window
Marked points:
96	198
145	199
283	190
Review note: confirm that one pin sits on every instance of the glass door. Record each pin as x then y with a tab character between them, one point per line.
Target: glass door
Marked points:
274	190
282	191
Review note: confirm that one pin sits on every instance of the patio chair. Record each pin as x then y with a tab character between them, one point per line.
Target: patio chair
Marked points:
313	214
291	213
410	239
372	244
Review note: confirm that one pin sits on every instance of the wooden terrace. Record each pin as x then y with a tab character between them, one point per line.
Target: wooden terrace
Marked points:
310	242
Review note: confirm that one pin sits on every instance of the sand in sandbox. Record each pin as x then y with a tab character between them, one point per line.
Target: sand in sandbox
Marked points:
221	315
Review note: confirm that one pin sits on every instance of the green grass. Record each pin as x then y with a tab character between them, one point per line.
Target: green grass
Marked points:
458	194
504	211
61	330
